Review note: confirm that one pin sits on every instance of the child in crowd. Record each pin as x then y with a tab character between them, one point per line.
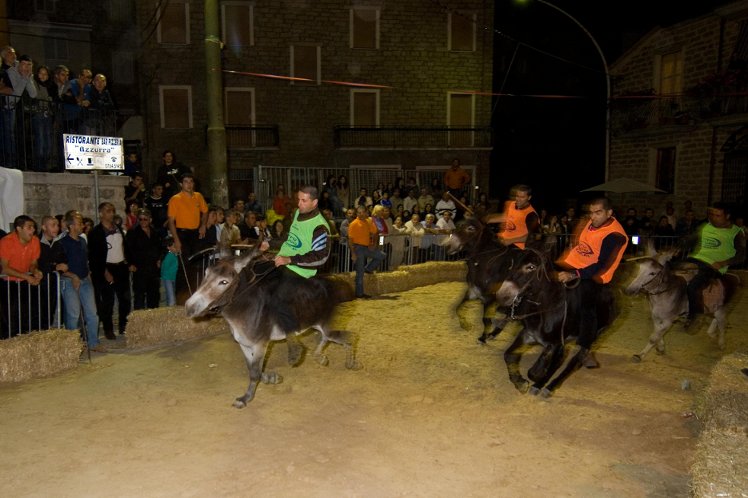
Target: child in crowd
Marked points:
169	267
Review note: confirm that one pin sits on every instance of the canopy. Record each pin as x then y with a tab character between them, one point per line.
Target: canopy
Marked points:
623	185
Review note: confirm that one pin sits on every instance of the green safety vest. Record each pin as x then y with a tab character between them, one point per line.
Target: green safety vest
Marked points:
299	241
716	244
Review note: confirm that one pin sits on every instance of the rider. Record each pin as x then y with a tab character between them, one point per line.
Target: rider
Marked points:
720	244
521	221
308	244
594	261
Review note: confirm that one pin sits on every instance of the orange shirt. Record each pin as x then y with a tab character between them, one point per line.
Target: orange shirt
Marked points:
186	209
19	256
587	250
359	231
455	179
515	224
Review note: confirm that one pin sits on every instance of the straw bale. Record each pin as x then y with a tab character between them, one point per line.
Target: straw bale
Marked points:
722	452
169	325
408	277
39	354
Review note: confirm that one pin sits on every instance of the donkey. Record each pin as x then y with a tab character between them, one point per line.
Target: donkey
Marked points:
262	303
488	263
668	300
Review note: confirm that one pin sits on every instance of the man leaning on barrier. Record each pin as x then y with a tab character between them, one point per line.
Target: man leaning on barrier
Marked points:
19	255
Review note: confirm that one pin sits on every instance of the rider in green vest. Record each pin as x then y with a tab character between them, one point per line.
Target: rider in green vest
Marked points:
308	245
720	244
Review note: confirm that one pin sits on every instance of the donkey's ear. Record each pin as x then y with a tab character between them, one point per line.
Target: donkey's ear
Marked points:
242	261
665	256
649	249
223	250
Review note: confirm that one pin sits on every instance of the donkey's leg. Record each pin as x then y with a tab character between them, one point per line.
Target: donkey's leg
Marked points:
554	357
656	339
254	355
574	364
717	327
295	349
512	358
345	339
489	331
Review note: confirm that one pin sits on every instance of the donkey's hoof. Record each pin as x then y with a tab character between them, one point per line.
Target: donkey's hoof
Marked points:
323	360
271	378
534	391
239	403
545	393
353	364
636	358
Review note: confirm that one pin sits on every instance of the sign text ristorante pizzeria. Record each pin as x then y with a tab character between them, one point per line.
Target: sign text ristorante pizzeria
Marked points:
93	152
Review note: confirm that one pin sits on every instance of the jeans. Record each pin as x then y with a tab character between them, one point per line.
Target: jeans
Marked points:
375	259
170	290
41	125
75	302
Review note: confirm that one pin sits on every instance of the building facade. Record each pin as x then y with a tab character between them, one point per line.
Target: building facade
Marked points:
679	112
324	85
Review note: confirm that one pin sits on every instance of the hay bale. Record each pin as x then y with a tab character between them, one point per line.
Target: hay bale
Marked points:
407	277
722	451
39	354
169	325
410	277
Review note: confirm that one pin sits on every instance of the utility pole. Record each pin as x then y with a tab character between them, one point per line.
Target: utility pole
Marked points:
219	194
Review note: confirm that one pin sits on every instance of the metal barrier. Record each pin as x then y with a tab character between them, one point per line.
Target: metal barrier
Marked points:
31	130
400	248
24	307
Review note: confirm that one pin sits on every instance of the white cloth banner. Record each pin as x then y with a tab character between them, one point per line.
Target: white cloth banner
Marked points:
11	196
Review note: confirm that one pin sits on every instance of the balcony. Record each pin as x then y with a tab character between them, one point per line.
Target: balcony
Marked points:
408	137
31	131
632	113
252	137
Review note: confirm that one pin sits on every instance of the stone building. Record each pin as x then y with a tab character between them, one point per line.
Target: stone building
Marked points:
391	85
679	112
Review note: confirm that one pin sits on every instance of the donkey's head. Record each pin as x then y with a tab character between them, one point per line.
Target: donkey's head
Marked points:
218	286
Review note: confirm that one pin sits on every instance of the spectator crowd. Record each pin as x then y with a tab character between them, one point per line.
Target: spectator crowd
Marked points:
128	258
40	103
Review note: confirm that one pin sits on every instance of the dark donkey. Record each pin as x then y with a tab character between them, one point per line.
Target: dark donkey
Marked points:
488	263
262	303
665	288
550	313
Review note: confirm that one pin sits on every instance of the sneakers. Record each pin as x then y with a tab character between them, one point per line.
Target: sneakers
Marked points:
99	348
109	334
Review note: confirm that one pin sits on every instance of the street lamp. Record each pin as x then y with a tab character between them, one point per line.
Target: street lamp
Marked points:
607	77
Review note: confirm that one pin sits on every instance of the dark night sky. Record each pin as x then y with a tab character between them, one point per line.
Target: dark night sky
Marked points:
557	146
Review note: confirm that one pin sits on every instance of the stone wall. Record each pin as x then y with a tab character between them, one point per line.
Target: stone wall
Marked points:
56	193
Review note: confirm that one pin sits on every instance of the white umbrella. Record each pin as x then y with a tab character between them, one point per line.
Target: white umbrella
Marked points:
622	186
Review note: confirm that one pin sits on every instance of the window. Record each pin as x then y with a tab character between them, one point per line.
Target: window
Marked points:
460	114
176	106
122	67
305	63
665	169
364	107
461	31
365	27
47	6
237	22
671	73
174	23
55	49
240	106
